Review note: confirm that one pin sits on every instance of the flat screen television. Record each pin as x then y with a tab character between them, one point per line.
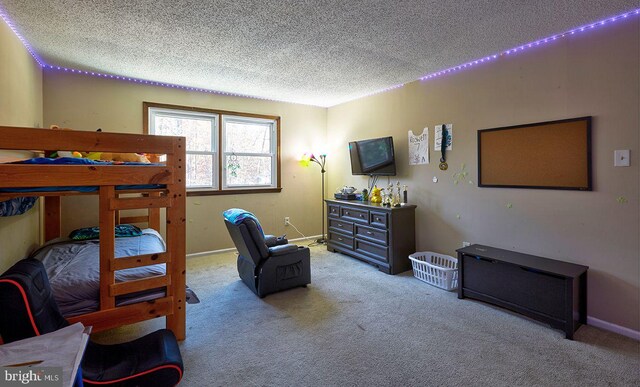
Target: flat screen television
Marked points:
547	155
374	157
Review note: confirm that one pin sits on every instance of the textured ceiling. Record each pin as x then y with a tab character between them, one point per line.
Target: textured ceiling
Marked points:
320	52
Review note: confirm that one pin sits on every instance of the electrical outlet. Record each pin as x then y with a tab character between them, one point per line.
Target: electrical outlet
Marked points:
286	220
465	244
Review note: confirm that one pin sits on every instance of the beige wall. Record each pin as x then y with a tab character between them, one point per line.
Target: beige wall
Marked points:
86	103
20	105
594	74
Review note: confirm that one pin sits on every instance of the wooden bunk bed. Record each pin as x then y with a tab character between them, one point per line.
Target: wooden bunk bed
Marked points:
163	186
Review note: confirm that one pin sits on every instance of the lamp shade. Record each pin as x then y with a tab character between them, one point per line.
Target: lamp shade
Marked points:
305	159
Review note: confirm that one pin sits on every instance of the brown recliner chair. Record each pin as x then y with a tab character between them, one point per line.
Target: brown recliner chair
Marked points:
267	264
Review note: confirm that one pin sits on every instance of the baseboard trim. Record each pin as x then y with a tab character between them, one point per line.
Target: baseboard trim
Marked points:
607	326
313	237
203	253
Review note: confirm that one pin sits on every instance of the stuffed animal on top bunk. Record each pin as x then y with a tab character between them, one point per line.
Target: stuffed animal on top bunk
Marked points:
56	154
118	157
102	156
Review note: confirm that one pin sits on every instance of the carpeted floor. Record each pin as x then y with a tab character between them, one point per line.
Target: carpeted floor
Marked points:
356	326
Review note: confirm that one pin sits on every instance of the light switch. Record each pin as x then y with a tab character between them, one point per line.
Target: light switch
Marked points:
621	158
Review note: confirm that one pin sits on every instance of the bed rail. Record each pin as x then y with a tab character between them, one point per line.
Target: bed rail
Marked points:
19	175
18	138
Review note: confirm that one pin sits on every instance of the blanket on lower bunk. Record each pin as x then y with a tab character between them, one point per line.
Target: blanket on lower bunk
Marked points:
73	268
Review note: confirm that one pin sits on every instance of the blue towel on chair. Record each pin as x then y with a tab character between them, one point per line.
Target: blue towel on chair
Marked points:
238	215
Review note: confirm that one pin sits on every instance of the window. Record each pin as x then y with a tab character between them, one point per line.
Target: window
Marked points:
201	131
249	152
227	152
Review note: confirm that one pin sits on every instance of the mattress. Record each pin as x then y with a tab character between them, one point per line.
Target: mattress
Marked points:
73	268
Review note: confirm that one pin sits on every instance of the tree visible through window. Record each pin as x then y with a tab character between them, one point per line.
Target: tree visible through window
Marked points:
246	156
248	152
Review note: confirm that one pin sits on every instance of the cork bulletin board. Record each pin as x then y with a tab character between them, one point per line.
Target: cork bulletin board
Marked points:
547	155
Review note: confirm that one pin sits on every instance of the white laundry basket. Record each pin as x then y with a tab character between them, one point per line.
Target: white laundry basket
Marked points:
435	269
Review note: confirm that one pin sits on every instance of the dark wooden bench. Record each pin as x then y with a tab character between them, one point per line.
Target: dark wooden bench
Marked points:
551	291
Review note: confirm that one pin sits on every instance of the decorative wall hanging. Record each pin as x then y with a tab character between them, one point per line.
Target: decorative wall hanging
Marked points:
419	147
233	165
461	175
437	143
443	140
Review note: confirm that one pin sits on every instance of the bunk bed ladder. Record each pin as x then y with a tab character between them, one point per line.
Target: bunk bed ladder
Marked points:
110	206
151	220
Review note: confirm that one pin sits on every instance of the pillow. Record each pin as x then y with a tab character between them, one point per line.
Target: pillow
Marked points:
122	230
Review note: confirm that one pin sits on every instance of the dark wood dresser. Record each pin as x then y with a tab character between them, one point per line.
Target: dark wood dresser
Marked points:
551	291
382	236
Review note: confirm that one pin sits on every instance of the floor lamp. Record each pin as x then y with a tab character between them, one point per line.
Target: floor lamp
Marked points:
321	160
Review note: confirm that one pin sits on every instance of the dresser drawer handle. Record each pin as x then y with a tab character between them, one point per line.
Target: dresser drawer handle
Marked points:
339	239
369	233
362	216
378	220
340	224
346	212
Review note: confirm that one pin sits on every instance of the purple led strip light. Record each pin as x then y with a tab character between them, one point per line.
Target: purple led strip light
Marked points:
44	65
449	70
347	99
35	56
536	43
152	83
511	51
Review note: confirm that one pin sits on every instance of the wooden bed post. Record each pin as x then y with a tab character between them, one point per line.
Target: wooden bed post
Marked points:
176	239
51	217
107	246
154	214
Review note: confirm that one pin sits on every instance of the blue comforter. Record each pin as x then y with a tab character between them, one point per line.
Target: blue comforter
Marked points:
74	161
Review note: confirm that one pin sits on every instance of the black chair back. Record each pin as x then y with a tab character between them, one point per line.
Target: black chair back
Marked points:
248	240
27	309
27	306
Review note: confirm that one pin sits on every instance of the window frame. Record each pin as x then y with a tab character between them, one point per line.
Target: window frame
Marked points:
219	184
215	123
272	154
